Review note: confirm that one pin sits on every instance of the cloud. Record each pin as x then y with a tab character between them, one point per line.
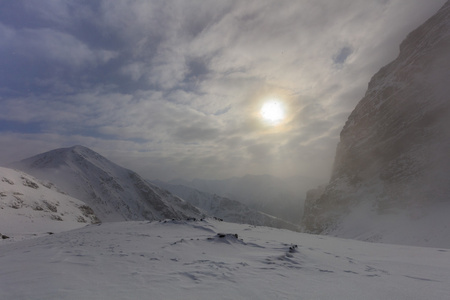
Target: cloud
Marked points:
174	88
342	55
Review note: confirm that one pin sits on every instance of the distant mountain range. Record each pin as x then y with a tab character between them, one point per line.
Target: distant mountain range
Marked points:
224	208
280	197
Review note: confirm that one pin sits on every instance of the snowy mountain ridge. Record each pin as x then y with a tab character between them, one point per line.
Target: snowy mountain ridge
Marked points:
113	192
390	179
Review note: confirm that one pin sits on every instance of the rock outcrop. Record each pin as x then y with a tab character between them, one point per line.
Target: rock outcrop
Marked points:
394	150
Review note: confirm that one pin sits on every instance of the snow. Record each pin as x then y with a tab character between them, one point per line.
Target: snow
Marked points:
113	192
188	260
29	207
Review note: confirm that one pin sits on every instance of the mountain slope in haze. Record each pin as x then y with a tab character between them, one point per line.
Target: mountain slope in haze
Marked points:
227	209
31	207
113	192
282	198
391	178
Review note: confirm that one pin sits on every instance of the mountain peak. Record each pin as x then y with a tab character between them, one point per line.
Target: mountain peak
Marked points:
113	192
80	149
58	158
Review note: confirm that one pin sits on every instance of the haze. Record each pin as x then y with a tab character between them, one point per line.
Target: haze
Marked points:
174	89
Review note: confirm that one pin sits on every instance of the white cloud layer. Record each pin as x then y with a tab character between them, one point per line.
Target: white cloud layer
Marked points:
174	88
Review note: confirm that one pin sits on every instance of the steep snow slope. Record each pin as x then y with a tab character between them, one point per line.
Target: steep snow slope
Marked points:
205	260
391	178
30	207
224	208
113	192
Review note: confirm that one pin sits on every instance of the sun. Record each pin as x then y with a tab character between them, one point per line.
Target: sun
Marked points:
272	112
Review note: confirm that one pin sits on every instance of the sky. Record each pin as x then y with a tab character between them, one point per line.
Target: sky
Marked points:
174	89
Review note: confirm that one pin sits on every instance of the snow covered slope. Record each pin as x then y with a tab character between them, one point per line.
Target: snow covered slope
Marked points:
224	208
29	207
391	177
113	192
216	260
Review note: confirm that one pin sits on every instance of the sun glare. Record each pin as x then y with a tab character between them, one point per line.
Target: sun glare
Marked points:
272	112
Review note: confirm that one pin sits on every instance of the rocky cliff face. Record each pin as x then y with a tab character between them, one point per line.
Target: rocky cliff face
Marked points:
394	151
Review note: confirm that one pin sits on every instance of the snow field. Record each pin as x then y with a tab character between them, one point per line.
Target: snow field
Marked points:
189	260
